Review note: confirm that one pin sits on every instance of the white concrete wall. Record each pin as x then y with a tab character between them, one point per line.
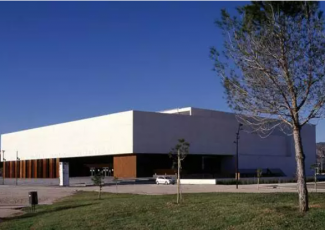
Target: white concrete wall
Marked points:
208	132
104	135
213	132
158	133
198	181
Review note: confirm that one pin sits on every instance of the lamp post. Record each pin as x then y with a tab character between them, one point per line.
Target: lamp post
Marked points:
236	142
4	167
16	168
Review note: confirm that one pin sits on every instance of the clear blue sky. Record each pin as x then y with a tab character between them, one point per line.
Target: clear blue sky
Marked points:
63	61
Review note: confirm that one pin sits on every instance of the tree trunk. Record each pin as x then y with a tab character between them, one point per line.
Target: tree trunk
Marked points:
315	181
100	192
258	183
301	174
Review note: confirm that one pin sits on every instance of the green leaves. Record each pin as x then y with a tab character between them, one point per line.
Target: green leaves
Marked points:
98	179
181	148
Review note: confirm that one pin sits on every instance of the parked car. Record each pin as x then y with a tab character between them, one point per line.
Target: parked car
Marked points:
165	180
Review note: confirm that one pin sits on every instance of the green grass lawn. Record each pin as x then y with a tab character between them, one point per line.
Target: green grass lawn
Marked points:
199	211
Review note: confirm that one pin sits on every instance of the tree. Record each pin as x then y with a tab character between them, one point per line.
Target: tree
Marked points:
272	69
115	179
178	154
98	181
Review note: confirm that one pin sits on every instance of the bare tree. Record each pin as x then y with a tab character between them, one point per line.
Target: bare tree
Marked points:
178	154
98	180
273	67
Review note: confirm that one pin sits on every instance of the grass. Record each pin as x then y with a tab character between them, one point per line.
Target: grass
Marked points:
198	211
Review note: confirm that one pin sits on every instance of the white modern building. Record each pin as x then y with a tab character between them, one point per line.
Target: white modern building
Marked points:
137	143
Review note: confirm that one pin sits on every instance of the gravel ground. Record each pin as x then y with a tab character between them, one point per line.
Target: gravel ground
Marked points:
13	198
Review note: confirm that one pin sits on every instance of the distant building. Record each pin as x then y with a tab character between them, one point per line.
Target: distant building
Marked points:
136	144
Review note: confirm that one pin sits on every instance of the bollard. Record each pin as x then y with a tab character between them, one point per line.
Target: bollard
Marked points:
33	199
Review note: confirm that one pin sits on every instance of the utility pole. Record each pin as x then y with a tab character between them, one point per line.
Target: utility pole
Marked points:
236	142
16	167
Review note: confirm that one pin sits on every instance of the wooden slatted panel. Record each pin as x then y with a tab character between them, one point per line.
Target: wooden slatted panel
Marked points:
4	169
39	168
25	169
44	168
9	169
51	168
125	166
16	169
57	167
11	175
21	169
29	168
34	169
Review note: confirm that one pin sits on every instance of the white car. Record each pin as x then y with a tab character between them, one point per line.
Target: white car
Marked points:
165	180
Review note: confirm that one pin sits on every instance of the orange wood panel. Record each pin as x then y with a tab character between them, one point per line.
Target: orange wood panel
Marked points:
24	169
4	168
44	168
11	174
29	168
57	167
40	169
8	169
34	168
51	169
125	166
21	163
16	169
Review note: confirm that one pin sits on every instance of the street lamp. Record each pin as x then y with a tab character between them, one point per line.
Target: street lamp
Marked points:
16	168
240	127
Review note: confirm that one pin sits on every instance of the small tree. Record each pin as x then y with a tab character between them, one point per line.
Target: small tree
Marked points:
98	181
259	173
178	154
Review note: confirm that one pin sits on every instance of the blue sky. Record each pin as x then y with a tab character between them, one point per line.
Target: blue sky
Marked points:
63	61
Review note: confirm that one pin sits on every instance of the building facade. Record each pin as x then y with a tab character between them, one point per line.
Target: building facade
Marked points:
137	143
